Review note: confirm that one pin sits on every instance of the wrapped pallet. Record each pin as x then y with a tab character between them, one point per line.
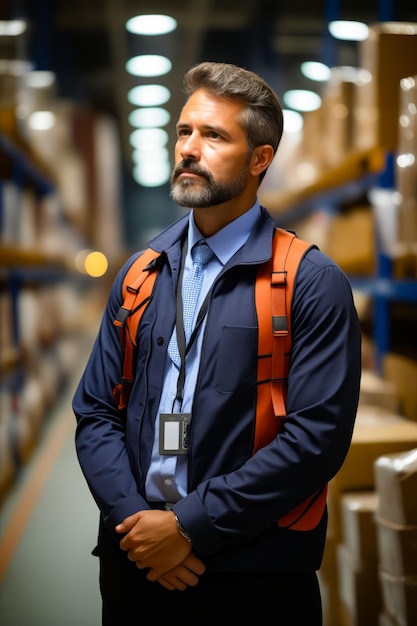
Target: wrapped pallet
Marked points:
357	560
396	519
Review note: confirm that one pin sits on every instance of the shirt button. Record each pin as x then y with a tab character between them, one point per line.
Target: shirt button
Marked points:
168	481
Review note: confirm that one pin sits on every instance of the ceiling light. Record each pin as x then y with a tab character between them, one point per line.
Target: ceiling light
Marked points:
350	74
315	71
406	160
149	95
348	30
151	117
152	173
147	136
408	83
149	152
293	121
148	65
12	28
16	67
39	79
151	24
364	76
302	99
41	120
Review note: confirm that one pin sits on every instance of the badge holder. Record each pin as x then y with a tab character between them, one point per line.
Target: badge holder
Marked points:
174	433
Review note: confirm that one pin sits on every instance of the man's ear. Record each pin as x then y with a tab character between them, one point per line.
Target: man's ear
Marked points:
261	159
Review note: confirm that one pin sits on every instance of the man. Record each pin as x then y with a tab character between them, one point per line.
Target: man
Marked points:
190	535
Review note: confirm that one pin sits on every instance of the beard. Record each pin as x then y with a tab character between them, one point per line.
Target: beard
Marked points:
189	192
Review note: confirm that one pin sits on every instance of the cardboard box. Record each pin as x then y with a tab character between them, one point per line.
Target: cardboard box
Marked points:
376	432
337	105
387	55
359	589
405	164
385	619
399	597
406	177
396	485
7	452
376	391
401	372
356	226
358	525
310	150
397	548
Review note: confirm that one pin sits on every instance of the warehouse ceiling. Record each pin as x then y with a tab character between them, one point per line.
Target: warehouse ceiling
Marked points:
86	44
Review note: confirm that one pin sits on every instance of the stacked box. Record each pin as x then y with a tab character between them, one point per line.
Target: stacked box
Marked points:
396	485
385	619
400	598
357	560
358	226
310	154
377	432
7	462
406	178
376	391
8	353
401	371
397	548
10	217
387	55
358	525
406	168
337	113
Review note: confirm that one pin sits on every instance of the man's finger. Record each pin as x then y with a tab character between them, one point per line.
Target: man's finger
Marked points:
127	524
195	564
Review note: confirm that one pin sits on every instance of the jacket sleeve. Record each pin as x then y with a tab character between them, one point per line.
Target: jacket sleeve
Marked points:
323	392
100	434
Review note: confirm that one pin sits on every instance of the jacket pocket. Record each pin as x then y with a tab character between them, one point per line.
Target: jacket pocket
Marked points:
236	358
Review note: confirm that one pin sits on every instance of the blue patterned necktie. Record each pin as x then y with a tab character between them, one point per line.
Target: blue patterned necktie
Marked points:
191	287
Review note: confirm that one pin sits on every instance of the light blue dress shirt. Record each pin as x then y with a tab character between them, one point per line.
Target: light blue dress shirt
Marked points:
166	480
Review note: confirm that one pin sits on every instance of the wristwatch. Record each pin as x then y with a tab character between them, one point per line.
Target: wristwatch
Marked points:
181	529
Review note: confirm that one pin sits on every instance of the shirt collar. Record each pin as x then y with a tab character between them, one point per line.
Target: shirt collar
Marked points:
229	239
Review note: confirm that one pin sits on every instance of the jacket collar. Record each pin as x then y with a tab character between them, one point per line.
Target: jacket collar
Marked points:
257	249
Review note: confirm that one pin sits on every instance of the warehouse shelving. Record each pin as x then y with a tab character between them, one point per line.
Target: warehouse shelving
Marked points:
26	267
23	167
353	178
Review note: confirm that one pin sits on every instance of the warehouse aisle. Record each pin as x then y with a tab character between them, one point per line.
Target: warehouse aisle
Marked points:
48	528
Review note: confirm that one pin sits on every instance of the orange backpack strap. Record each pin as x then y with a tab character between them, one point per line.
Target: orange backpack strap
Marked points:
136	292
273	296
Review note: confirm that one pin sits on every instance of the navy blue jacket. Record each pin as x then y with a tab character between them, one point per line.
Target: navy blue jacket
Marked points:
234	498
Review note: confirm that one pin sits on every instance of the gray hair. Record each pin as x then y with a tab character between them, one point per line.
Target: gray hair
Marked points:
262	117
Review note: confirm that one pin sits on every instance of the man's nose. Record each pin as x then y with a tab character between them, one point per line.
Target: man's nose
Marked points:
190	148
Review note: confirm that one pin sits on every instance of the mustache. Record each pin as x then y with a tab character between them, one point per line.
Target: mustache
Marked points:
189	166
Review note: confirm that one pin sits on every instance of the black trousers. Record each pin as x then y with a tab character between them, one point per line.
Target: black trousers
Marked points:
218	599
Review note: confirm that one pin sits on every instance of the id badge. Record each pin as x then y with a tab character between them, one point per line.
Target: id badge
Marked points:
173	433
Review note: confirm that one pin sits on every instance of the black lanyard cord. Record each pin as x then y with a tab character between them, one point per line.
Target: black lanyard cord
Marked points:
184	348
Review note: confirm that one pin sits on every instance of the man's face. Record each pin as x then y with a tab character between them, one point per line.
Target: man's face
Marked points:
211	153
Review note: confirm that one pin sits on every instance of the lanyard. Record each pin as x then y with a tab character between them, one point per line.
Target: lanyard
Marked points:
179	324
